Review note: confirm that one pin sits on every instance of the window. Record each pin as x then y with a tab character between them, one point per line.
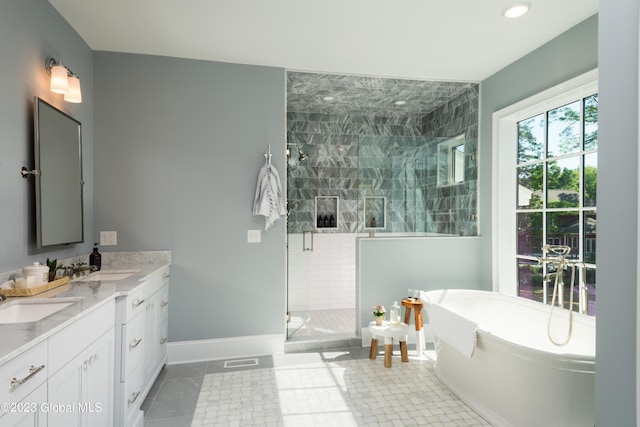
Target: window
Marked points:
548	146
451	161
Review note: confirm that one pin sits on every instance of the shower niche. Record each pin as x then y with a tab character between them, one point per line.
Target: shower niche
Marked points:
326	212
375	212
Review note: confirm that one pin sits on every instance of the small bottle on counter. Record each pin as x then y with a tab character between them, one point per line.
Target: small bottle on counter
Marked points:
332	221
95	259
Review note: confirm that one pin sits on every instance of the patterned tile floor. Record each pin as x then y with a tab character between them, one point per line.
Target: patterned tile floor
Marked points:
333	387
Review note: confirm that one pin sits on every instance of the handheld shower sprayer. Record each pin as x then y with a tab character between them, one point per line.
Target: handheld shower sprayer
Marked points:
556	256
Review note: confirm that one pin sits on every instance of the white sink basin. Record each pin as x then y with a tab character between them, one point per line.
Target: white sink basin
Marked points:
109	275
22	311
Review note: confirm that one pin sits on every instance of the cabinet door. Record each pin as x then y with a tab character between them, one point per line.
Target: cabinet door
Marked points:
156	331
150	338
98	369
28	413
81	393
65	391
163	332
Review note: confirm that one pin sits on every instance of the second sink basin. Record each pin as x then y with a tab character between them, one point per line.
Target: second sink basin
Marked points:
23	311
110	275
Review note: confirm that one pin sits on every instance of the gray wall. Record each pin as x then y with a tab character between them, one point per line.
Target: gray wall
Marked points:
31	30
387	267
179	144
616	337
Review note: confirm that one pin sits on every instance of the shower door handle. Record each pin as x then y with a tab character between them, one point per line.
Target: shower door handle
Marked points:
307	247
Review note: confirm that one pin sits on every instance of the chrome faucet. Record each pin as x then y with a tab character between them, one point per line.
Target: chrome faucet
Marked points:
80	269
555	255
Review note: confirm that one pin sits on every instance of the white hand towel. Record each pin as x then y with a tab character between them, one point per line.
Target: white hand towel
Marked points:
454	329
269	199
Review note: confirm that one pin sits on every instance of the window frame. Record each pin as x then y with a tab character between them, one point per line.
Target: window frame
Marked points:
447	163
504	171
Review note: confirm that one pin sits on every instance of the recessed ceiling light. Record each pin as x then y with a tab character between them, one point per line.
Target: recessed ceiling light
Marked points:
516	10
328	98
400	102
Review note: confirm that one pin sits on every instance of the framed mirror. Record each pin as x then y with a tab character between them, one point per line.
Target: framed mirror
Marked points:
58	158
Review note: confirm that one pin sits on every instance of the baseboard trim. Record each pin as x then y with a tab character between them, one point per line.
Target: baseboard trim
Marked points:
224	348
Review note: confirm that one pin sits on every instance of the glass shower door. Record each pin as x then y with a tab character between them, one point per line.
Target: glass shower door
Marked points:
298	314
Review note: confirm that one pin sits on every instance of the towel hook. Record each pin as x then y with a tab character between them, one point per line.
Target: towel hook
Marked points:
267	155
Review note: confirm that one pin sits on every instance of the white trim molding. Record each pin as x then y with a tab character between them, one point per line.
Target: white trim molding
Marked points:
224	348
503	179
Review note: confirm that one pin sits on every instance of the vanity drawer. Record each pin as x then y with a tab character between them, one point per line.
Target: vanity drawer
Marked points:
29	370
132	346
70	341
154	282
132	398
135	303
163	300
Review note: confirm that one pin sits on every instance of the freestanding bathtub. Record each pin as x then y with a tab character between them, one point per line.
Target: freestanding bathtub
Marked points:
513	375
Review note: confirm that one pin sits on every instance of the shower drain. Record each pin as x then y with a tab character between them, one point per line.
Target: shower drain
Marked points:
240	363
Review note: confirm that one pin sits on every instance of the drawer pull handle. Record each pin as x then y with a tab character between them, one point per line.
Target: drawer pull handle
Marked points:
137	303
135	343
133	398
164	303
163	340
166	275
32	371
88	361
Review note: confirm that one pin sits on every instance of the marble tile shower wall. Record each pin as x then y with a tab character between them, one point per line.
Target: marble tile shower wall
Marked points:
332	142
454	208
394	157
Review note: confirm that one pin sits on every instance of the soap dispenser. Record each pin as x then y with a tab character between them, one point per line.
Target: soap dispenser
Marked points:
394	315
95	259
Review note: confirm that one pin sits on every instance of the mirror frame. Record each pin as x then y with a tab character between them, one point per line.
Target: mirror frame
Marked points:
58	185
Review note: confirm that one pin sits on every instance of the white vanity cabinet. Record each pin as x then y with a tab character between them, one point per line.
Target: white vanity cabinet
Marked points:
20	416
156	316
81	360
24	388
141	345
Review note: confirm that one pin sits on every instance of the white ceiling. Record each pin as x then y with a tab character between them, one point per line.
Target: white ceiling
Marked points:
461	40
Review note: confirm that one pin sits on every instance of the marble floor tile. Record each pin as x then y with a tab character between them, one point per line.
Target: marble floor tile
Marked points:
330	387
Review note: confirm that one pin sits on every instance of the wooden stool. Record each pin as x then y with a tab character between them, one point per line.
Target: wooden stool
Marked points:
389	332
416	304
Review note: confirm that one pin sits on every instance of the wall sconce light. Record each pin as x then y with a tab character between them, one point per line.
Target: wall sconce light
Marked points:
63	80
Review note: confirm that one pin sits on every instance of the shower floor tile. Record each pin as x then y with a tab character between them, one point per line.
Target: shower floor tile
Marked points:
322	324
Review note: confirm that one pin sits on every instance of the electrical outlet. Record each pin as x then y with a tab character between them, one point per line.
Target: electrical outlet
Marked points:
253	236
108	238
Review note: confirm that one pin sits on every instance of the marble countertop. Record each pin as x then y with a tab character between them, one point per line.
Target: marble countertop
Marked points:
15	338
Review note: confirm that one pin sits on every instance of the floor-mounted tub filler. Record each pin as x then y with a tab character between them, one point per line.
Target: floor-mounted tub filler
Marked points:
494	352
